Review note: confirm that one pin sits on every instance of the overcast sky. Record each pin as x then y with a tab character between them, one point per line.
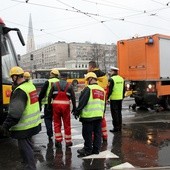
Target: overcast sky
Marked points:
96	21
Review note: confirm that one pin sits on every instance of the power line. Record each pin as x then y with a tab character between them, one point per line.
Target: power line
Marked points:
92	15
151	26
120	6
10	7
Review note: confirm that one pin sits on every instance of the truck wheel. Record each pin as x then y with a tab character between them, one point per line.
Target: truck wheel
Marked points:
167	102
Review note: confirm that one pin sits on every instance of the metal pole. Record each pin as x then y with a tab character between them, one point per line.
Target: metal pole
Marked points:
1	90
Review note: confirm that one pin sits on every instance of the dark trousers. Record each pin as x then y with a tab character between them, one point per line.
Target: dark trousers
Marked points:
26	150
89	128
116	112
48	121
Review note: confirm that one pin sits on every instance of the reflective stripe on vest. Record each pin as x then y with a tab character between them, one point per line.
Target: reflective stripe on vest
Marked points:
51	81
96	104
117	91
31	115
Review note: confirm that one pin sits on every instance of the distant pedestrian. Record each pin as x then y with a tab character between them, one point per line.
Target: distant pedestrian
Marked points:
116	94
43	100
102	81
90	110
23	119
60	95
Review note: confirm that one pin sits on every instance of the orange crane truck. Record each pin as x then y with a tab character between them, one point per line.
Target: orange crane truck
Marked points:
144	62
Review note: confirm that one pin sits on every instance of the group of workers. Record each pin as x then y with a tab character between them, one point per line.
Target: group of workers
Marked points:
56	94
24	120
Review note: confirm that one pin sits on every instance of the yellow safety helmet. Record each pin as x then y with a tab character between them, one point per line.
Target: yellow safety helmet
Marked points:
90	74
55	71
16	71
27	75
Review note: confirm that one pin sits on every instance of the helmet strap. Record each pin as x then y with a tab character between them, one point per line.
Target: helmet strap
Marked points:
15	79
90	80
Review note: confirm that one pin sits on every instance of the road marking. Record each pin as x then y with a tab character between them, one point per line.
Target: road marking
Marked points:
105	154
122	166
78	146
77	137
75	130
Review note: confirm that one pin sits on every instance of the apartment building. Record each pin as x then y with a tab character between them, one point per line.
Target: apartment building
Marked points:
71	55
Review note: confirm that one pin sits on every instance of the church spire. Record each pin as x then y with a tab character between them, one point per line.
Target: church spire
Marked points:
30	37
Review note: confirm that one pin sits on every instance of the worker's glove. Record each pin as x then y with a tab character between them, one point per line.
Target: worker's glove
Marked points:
49	109
42	116
40	106
73	110
4	132
108	102
75	114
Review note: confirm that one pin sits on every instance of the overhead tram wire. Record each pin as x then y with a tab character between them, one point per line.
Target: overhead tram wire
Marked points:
52	7
85	13
145	25
91	17
42	30
157	2
120	6
65	9
74	9
78	10
89	14
36	29
10	7
139	12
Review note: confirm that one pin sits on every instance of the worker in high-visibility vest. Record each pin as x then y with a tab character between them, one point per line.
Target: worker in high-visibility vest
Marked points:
43	100
102	81
23	119
27	75
91	109
116	93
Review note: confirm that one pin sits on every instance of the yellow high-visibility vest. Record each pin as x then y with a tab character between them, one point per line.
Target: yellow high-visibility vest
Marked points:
31	115
51	81
96	104
117	93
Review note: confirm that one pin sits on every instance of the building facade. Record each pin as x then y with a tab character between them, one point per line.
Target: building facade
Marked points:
70	55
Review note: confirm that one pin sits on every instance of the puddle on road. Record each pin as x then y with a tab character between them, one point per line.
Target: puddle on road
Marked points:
141	145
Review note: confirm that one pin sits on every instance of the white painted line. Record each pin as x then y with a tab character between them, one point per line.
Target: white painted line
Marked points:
78	146
105	154
77	137
122	166
74	131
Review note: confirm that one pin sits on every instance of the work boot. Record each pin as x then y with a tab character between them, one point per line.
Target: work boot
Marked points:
115	130
83	152
69	144
58	145
104	140
50	138
95	152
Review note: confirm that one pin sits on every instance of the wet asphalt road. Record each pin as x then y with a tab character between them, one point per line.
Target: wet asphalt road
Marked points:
144	143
